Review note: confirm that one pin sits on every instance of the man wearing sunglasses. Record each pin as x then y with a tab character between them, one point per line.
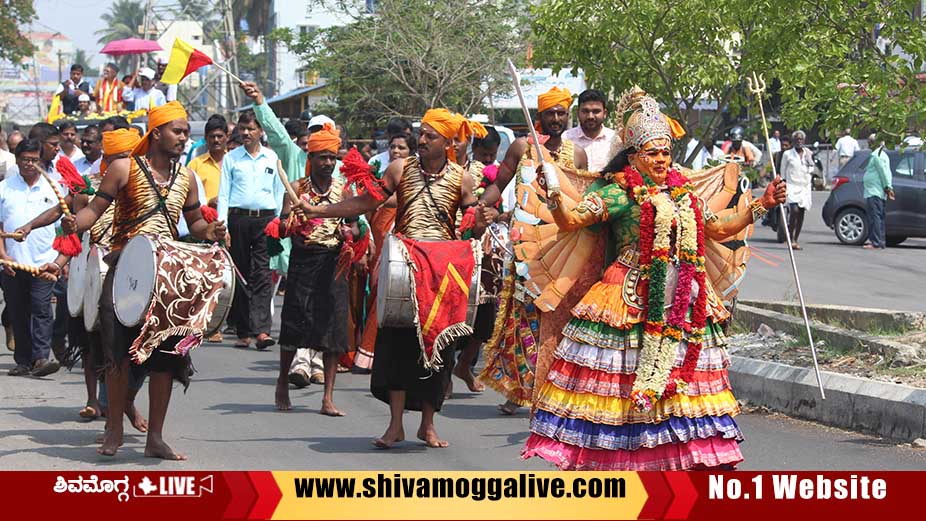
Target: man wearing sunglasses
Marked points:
91	144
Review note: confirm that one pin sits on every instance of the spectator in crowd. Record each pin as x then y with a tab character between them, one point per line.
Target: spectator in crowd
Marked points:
846	147
700	159
209	165
108	90
298	132
140	92
169	90
797	170
7	158
91	144
774	143
23	197
591	134
72	88
13	139
878	190
70	145
234	140
83	106
485	149
394	127
740	149
250	196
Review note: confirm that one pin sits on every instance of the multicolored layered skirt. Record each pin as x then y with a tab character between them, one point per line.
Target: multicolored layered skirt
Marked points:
585	420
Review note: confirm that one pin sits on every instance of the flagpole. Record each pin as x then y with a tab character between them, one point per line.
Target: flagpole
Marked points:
230	73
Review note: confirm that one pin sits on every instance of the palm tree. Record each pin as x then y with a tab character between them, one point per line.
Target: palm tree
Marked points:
207	12
123	21
255	12
81	58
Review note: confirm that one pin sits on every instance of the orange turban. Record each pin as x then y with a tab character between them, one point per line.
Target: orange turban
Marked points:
328	138
118	141
554	97
452	126
156	117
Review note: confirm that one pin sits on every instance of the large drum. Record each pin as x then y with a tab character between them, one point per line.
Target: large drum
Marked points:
96	269
394	297
141	275
77	278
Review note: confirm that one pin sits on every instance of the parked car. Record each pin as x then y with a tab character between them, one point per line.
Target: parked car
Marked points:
846	212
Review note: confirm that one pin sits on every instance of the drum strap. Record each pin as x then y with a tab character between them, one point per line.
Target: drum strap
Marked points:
162	200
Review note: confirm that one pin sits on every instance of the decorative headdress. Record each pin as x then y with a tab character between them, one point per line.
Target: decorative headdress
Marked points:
646	122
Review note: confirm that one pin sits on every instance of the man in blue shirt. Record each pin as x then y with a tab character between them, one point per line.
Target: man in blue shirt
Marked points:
250	196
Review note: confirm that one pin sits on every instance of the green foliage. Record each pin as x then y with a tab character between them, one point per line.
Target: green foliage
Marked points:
81	58
204	11
411	55
683	51
14	14
123	21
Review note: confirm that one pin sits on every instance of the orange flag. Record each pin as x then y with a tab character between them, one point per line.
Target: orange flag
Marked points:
184	59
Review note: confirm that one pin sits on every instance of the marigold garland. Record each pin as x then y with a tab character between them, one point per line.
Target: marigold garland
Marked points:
662	334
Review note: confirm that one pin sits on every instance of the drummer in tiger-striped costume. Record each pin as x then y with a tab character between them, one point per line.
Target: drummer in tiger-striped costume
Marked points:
118	143
150	191
512	355
316	301
429	188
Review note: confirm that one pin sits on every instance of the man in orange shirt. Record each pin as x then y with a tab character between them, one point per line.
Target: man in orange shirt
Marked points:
108	90
209	165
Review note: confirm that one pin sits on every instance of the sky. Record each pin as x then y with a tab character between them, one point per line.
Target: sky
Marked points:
76	19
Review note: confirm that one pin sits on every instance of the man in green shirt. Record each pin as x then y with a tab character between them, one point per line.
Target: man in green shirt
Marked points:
878	188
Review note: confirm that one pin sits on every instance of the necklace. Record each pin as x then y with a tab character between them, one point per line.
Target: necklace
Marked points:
432	175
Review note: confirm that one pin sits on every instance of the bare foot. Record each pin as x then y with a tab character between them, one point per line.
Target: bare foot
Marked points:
328	409
431	439
463	373
138	421
91	411
156	448
390	437
448	390
112	440
509	408
282	397
102	437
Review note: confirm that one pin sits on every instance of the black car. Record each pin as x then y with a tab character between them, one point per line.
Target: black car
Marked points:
846	212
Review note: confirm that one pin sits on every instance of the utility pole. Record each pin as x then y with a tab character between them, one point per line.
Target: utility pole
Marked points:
144	29
232	57
60	71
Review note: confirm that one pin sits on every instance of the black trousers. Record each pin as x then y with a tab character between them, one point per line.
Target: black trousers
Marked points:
250	311
28	302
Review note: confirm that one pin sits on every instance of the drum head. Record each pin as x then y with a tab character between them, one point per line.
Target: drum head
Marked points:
133	283
95	271
223	306
77	278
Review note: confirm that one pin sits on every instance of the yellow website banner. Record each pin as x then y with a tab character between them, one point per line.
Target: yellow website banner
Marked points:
459	495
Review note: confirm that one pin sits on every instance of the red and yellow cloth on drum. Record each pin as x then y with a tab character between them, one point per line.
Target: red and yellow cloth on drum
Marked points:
584	417
441	280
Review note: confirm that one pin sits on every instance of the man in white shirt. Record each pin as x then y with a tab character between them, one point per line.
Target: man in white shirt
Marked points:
846	147
797	170
591	135
70	145
774	143
23	196
91	144
140	91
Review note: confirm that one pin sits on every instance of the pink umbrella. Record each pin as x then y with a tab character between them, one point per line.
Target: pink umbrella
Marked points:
130	46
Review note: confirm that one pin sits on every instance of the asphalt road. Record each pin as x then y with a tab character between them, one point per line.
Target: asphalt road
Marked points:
833	273
227	421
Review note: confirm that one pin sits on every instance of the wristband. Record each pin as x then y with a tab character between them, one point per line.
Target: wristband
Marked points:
758	211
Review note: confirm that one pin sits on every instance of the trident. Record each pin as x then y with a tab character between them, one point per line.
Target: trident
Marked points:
757	86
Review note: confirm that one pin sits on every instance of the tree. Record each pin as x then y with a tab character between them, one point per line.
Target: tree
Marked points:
122	21
80	58
203	11
13	45
398	61
255	13
685	52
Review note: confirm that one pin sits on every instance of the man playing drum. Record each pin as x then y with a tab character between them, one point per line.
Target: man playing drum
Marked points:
430	188
150	190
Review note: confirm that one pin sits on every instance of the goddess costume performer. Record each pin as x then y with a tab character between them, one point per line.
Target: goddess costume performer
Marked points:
639	381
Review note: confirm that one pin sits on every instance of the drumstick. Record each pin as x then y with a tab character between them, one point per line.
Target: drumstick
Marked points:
54	186
32	270
289	187
16	236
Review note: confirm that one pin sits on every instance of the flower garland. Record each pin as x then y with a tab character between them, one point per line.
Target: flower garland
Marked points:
661	334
